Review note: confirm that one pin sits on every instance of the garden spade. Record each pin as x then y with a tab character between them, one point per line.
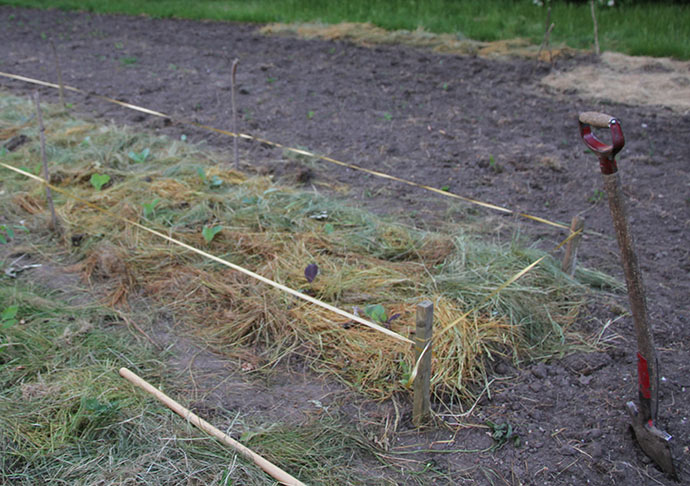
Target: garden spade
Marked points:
653	441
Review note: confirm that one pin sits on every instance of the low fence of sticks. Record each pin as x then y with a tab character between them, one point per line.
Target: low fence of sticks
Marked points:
422	343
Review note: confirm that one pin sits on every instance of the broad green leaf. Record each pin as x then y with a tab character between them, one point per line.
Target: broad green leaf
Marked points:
376	313
99	180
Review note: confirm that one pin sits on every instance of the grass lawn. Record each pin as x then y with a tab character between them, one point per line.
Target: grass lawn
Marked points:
641	28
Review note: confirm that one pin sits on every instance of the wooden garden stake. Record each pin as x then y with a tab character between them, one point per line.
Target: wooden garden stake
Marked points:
570	258
596	28
546	43
281	476
234	113
421	409
59	76
46	174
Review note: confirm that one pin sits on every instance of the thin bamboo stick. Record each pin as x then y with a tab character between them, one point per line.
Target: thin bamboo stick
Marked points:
233	88
46	175
270	468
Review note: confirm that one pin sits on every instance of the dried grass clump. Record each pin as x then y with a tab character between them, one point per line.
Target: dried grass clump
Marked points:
368	34
276	232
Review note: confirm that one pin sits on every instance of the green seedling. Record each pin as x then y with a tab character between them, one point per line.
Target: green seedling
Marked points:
445	188
215	182
596	197
119	45
502	434
310	115
387	116
36	170
377	313
328	228
7	232
139	157
150	208
406	372
209	233
445	86
99	180
271	80
128	61
8	317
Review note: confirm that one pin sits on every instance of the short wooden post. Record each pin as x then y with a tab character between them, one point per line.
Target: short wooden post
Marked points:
421	409
570	257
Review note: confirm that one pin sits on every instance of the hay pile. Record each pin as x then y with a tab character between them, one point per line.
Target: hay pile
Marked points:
276	231
638	80
369	34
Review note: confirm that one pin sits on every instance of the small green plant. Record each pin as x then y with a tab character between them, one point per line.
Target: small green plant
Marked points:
150	208
8	317
99	180
445	87
210	232
271	80
139	157
119	45
445	188
406	372
377	313
329	228
387	116
35	170
7	232
597	196
310	115
215	182
502	434
128	61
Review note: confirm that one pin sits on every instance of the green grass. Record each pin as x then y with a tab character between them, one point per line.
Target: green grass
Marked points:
67	417
642	28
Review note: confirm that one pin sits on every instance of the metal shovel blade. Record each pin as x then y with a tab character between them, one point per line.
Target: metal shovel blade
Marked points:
653	441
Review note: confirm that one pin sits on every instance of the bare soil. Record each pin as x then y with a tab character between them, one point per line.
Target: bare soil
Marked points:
488	129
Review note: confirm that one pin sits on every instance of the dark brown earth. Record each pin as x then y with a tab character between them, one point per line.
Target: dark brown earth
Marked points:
485	128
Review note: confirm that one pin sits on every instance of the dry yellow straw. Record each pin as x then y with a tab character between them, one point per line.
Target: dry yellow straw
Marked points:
256	276
281	476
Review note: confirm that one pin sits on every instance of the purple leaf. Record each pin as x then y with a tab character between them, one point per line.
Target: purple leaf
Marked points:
311	272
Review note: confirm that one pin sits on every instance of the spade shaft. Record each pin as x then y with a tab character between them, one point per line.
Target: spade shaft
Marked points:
652	440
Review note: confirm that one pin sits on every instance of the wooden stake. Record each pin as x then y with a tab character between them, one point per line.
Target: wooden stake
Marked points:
234	113
46	175
547	35
59	76
421	409
570	257
596	29
281	476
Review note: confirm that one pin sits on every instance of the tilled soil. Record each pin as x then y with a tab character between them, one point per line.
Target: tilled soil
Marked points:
488	130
